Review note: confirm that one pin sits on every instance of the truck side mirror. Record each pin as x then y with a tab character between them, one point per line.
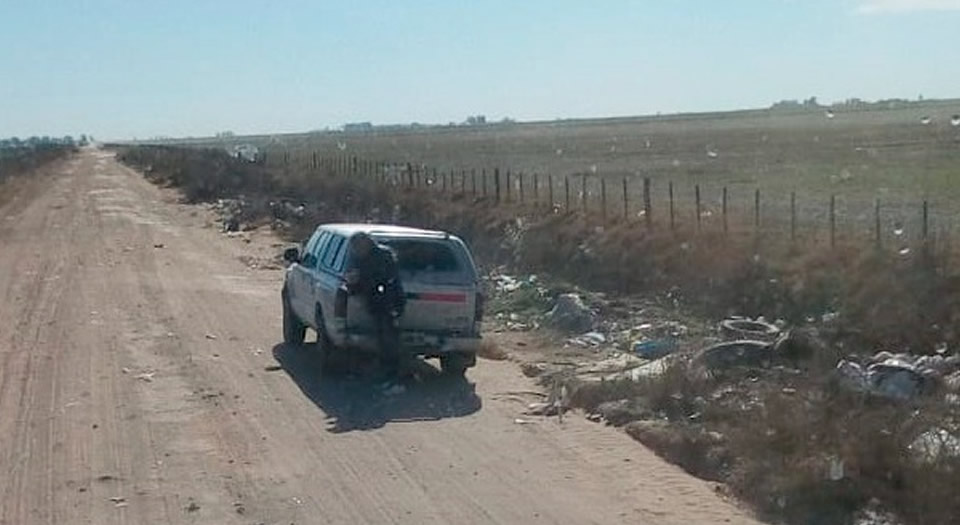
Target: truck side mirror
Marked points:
291	255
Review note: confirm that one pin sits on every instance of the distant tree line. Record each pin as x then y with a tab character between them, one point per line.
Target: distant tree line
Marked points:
41	143
850	103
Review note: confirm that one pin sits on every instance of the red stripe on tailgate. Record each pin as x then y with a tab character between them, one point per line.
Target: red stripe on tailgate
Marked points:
443	297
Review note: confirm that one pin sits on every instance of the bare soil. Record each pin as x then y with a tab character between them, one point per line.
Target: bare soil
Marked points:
142	381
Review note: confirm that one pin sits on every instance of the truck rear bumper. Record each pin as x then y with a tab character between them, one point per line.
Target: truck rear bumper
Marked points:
418	343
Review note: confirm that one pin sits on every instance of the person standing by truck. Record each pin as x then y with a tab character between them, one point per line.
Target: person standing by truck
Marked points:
373	275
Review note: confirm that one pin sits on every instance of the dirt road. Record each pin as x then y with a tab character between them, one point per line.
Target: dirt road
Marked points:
137	386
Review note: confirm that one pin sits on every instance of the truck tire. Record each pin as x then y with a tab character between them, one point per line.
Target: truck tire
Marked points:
456	365
294	331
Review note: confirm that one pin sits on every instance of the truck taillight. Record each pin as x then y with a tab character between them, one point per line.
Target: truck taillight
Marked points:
340	303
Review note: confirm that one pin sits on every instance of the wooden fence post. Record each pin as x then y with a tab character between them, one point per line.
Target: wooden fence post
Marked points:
583	192
726	224
647	207
793	216
483	177
876	224
673	223
603	198
626	202
536	189
520	179
496	182
409	175
696	191
926	221
550	190
509	184
833	221
473	181
756	210
566	188
314	160
463	182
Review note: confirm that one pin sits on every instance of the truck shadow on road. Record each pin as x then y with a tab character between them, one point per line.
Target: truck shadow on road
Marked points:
354	401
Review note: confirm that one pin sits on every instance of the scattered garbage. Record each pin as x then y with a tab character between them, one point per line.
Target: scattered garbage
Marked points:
230	212
654	349
892	378
739	328
521	421
210	336
935	444
875	516
543	409
736	353
836	470
623	411
571	314
272	368
589	339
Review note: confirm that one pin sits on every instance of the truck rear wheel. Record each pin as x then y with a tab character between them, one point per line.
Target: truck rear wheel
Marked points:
456	365
294	331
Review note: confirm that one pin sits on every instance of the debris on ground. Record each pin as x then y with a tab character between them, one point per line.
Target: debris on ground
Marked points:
730	354
570	314
533	369
543	409
654	349
272	368
936	444
589	339
743	328
898	376
623	411
210	336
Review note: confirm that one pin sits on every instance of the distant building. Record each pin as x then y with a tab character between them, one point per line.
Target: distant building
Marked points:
358	127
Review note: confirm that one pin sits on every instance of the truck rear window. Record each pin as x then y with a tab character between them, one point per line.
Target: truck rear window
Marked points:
424	256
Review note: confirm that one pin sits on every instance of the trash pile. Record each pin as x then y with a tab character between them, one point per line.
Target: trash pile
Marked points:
899	376
230	212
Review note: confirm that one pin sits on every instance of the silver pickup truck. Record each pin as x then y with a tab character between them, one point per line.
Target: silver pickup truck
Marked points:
444	303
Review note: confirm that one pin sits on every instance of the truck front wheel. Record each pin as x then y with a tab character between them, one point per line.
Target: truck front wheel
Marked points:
294	331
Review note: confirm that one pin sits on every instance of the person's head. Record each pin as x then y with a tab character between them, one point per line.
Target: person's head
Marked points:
361	245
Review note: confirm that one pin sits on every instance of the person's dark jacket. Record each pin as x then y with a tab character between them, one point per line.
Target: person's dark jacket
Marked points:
379	281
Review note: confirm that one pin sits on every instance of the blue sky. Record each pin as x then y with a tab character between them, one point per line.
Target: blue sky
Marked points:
122	69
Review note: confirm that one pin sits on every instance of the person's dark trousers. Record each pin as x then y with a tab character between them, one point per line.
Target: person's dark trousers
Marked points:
388	339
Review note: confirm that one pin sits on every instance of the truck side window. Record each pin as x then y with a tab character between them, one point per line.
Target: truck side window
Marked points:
321	245
332	251
338	262
308	259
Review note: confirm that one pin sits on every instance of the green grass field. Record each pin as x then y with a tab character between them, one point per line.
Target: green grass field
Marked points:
858	156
